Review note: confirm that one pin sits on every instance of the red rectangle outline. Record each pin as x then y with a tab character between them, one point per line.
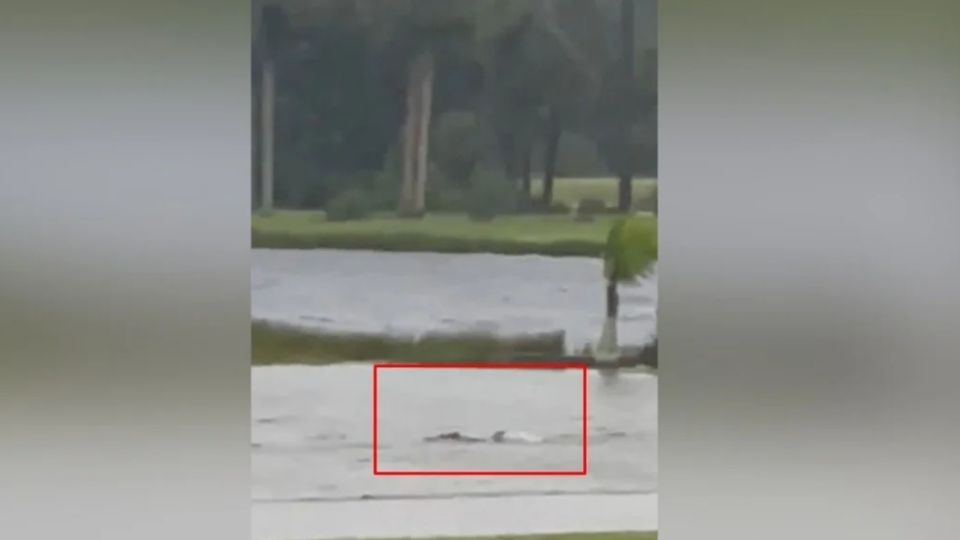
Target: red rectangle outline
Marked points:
451	365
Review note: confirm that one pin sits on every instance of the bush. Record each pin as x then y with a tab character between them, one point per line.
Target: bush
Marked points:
304	195
647	203
385	184
536	207
588	208
385	192
350	205
558	208
446	199
490	195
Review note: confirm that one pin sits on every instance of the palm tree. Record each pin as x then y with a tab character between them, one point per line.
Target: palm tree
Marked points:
629	254
272	28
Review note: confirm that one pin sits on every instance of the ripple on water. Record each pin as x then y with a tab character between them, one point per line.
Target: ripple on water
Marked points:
418	293
319	433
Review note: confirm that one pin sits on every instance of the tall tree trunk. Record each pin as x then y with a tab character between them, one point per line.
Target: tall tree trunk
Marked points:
507	143
416	135
425	92
408	148
266	137
526	170
627	38
550	157
625	187
255	127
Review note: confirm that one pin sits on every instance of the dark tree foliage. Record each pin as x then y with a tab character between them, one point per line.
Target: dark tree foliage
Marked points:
341	92
274	28
337	115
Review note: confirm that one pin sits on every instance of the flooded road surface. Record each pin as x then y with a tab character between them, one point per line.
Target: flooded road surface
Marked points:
414	293
455	517
312	432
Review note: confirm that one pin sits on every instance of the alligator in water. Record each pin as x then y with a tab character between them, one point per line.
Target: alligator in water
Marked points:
499	437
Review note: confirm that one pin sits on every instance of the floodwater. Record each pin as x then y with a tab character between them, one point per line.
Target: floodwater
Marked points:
312	436
312	452
455	517
312	427
410	294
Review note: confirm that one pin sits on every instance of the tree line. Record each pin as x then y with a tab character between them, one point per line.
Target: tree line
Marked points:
410	100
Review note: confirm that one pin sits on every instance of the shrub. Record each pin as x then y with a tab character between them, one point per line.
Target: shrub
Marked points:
303	195
446	199
385	184
349	205
537	207
647	203
588	208
385	192
558	208
490	195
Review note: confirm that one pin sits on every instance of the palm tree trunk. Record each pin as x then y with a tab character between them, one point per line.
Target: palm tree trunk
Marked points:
550	157
625	185
526	170
425	94
507	145
408	142
416	137
613	300
255	127
608	349
627	39
266	137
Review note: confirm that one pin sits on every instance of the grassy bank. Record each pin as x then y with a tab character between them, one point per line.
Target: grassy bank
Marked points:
276	344
444	233
570	536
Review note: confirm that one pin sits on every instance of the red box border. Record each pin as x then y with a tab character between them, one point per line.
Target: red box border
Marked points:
453	365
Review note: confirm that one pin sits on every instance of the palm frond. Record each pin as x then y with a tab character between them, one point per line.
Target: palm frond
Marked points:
631	248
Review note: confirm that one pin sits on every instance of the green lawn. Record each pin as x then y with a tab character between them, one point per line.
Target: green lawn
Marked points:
557	235
450	233
570	536
521	228
571	190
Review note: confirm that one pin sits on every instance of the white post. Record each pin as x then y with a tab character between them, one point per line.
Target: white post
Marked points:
608	350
